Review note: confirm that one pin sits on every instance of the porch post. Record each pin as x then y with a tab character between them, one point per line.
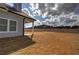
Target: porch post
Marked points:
23	26
33	27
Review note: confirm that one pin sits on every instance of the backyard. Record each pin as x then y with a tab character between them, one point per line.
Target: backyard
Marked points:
57	42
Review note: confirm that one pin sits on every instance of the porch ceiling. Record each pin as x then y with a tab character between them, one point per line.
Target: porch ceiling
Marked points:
28	20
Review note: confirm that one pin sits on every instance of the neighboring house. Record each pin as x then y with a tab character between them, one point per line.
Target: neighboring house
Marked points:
12	21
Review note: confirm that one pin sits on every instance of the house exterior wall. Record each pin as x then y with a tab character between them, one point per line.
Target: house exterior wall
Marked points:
11	16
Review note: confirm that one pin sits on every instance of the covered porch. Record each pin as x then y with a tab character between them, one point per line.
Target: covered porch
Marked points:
28	20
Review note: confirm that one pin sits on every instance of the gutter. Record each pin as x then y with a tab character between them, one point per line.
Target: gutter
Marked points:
18	14
21	15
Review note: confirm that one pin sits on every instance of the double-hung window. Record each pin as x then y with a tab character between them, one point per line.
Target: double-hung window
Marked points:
3	25
7	25
12	26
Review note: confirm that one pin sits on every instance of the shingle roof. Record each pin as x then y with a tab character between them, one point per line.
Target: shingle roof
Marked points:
13	10
6	6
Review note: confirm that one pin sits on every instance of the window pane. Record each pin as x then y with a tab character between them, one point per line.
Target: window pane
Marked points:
3	25
12	29
12	25
3	28
3	21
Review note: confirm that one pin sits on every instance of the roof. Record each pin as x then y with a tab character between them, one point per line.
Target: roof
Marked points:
13	10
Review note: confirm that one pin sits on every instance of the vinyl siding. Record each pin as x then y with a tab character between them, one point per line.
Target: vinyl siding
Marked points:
11	16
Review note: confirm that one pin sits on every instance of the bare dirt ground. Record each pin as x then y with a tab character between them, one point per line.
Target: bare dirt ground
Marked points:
10	45
53	43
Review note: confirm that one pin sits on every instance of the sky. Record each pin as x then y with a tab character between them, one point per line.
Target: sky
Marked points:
52	14
39	1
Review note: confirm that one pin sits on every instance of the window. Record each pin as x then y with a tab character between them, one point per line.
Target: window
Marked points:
12	26
7	25
3	25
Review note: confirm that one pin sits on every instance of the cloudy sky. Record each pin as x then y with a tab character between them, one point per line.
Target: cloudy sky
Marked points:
43	11
52	14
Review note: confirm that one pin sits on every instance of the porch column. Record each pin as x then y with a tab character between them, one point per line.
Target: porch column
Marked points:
23	26
33	26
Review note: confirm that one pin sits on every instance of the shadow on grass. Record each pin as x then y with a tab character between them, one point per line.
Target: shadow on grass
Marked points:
10	45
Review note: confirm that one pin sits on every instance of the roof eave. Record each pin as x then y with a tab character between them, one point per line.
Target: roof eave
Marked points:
22	15
14	12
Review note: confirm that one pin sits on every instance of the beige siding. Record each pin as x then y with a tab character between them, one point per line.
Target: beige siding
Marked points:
12	16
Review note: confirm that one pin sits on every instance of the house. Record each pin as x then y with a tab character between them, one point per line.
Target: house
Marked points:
12	21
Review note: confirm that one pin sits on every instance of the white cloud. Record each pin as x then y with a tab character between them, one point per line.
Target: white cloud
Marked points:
45	15
34	6
37	12
25	10
28	25
55	18
55	7
37	23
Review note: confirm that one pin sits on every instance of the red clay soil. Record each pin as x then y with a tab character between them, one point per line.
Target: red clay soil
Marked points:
52	43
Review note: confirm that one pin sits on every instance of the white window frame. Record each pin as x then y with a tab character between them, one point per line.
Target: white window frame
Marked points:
7	26
16	26
8	23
